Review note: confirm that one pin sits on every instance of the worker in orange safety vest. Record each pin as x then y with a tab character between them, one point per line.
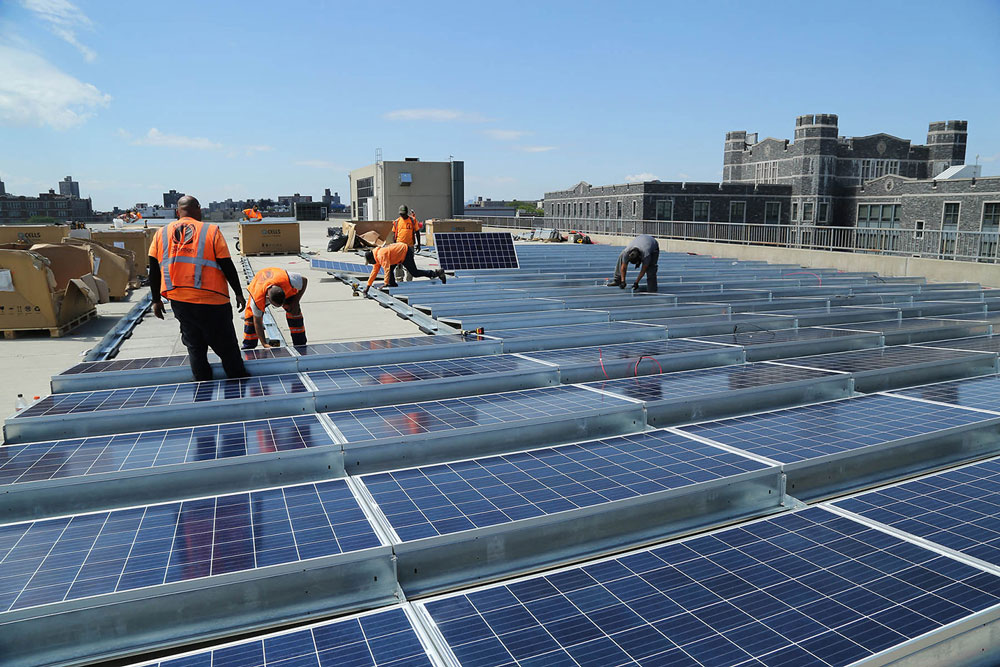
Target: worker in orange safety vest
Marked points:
388	256
252	214
279	288
191	260
405	229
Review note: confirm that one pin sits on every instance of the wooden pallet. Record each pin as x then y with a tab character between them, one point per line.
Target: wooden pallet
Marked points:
54	332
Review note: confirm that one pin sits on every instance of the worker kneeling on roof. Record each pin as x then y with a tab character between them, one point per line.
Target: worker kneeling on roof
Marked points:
191	260
279	288
390	255
644	252
252	214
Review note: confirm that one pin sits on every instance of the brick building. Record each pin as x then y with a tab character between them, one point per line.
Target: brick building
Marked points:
15	210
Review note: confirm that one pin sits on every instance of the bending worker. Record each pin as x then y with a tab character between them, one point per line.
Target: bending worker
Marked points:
643	252
390	255
193	261
252	214
278	288
405	230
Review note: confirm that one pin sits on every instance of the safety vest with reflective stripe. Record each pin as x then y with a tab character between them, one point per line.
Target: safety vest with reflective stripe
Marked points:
252	214
186	252
403	228
265	280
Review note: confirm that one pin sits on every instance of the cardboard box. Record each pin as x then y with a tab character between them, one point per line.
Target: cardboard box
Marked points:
150	233
98	286
67	262
266	238
132	240
33	233
382	227
29	298
431	226
109	265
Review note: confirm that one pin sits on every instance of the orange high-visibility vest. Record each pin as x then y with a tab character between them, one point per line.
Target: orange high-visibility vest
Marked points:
186	251
386	257
252	214
403	230
265	280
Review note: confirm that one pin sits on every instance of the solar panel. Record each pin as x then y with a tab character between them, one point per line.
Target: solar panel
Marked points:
897	325
347	267
84	555
569	330
147	363
382	344
958	509
878	358
352	378
982	393
376	639
760	336
804	588
702	382
472	250
579	355
166	394
811	431
449	498
151	449
455	413
980	343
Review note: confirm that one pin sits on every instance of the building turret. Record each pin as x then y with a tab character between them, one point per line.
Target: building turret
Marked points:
946	142
736	142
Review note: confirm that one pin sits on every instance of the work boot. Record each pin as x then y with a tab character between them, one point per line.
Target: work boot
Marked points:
442	276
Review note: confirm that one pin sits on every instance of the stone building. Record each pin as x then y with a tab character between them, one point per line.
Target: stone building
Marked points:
15	210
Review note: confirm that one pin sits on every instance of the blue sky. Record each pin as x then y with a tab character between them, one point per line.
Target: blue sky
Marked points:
237	99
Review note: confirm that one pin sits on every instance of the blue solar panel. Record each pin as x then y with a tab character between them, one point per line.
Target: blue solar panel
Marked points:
898	325
383	638
150	449
958	509
980	343
146	363
568	330
353	378
442	499
879	358
475	250
165	394
69	558
809	588
597	353
348	267
455	413
686	384
761	336
382	344
811	431
982	393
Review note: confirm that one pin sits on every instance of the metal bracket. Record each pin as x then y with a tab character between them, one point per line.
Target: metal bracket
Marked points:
426	323
108	346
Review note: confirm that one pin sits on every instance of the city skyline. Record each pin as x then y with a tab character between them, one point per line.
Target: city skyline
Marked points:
533	100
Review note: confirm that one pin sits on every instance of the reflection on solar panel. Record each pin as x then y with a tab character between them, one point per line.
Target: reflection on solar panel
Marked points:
623	351
347	267
469	250
958	509
69	558
811	431
351	378
883	357
809	588
382	344
146	363
749	336
150	449
568	330
980	343
705	381
982	392
167	394
400	420
898	325
442	499
383	638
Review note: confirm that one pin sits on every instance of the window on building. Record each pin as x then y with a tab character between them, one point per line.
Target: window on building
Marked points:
619	208
949	217
918	230
765	172
772	212
366	187
991	216
664	209
635	205
795	210
607	209
701	211
990	226
807	211
823	212
737	211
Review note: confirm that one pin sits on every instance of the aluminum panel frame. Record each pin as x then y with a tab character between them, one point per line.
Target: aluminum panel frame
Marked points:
636	335
612	369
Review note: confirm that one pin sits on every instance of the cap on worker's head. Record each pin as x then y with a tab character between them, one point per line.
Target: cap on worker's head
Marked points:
403	210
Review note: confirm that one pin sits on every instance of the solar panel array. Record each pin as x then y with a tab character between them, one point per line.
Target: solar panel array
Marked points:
382	344
980	343
982	393
467	250
569	330
797	434
151	449
761	336
347	267
70	558
448	498
809	588
878	358
653	348
366	376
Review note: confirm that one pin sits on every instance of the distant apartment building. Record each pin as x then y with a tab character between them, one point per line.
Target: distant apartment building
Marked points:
332	201
291	200
432	189
14	210
3	190
171	198
69	188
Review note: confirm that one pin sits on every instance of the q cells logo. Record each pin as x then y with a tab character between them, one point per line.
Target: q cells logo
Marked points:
270	232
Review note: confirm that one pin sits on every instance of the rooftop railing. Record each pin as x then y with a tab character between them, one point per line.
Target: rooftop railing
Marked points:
930	243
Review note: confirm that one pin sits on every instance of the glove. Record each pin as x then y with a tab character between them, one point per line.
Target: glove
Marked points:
635	285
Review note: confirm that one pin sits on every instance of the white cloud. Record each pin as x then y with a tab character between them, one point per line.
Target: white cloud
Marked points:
505	135
320	164
64	19
639	178
34	92
535	149
436	115
156	138
990	158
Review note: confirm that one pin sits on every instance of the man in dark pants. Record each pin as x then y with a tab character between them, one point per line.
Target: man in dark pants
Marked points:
190	259
388	256
644	252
